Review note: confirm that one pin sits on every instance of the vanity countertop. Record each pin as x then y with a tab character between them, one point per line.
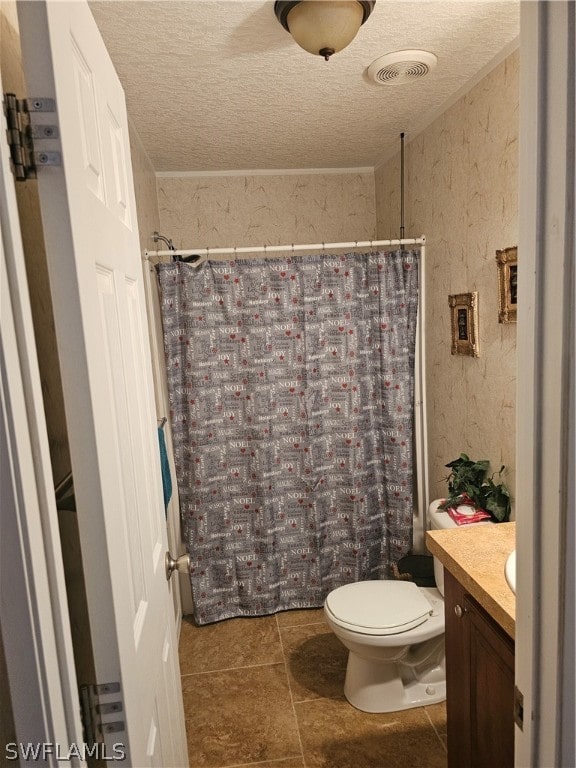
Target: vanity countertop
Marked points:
476	557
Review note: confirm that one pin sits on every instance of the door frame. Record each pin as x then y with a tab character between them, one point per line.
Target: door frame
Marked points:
34	610
545	387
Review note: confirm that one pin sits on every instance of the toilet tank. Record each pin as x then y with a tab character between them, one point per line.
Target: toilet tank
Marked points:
439	519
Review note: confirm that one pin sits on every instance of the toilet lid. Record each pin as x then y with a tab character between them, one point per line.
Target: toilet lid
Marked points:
379	607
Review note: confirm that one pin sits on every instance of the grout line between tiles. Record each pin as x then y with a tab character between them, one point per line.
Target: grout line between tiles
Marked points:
232	669
320	698
292	626
291	695
278	762
440	739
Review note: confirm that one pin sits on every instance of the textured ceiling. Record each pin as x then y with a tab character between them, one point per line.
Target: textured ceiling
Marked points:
217	85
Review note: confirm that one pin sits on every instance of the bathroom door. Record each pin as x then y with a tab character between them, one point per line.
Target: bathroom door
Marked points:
94	263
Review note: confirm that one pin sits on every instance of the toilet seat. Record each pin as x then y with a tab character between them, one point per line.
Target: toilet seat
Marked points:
379	607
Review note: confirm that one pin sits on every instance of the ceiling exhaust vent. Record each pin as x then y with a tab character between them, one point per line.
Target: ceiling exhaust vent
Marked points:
401	67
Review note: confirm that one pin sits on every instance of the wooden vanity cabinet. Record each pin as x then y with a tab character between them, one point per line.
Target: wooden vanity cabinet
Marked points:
479	684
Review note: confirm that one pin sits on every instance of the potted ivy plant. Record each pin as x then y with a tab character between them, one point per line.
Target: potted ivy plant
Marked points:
469	484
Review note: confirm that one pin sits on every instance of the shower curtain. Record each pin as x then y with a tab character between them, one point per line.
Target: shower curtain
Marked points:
291	387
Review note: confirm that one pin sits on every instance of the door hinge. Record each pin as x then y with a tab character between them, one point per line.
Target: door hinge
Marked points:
21	134
518	708
100	705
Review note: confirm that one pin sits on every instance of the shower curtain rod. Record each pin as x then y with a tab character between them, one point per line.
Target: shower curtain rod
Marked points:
266	249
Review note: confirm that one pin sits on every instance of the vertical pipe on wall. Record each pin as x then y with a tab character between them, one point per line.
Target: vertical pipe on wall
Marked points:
401	186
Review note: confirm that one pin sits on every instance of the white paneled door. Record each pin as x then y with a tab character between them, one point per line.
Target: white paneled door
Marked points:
94	262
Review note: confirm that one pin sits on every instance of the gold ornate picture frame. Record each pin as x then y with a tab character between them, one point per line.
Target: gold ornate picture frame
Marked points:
507	261
464	322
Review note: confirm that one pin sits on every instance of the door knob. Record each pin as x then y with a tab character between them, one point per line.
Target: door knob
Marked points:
181	564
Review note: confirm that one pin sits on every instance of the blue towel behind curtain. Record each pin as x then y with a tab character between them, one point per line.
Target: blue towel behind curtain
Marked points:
165	469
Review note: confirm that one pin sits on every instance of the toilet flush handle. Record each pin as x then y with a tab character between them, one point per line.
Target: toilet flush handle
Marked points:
181	564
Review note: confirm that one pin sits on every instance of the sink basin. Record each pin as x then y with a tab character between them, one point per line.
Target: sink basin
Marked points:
510	571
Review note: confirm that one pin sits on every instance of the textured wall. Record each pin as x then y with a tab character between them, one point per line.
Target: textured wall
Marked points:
461	192
266	210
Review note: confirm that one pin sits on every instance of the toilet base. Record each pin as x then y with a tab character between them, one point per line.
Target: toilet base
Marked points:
391	687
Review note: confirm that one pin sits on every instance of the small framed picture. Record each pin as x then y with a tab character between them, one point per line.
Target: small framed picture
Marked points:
507	261
464	308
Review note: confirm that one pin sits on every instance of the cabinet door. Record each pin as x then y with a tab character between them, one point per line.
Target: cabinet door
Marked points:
479	684
491	690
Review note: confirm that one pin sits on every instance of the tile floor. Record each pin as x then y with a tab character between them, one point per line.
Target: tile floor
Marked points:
268	692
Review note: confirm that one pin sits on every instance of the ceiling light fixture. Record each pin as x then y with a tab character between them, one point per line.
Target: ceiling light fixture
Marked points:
323	27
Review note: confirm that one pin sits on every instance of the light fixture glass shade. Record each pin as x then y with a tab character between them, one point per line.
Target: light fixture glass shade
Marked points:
325	26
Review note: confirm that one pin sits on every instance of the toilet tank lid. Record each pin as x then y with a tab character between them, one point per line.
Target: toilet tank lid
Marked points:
379	607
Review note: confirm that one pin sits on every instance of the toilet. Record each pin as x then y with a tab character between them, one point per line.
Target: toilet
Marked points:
394	632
